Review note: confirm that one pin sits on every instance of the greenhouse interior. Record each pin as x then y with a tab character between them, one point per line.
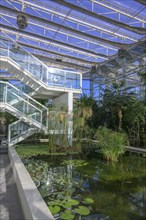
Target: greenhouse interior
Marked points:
73	109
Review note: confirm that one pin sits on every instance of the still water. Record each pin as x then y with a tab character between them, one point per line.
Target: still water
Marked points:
100	190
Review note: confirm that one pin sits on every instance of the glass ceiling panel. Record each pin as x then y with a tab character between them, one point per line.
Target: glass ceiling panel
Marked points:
73	36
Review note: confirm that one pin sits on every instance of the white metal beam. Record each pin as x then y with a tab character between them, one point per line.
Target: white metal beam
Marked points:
77	19
118	9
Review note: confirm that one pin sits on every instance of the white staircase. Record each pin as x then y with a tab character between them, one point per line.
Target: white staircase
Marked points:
19	130
33	117
32	72
40	81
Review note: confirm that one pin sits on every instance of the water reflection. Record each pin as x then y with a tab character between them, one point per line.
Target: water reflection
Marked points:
118	190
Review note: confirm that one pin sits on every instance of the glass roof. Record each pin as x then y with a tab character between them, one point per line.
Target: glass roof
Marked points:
79	34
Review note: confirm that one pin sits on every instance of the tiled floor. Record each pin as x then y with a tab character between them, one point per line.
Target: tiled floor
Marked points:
10	207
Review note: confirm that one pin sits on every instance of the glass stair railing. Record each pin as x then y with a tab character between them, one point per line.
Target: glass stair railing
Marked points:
23	105
51	77
23	87
19	131
32	114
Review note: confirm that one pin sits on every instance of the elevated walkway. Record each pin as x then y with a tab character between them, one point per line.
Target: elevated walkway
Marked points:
43	80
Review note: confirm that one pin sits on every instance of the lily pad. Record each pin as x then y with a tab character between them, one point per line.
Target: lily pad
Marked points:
82	210
73	202
75	163
67	215
54	209
88	201
54	203
65	204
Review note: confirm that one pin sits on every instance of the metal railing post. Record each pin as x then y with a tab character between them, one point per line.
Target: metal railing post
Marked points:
9	135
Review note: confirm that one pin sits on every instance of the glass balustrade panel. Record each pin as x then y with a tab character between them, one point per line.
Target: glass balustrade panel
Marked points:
50	76
18	128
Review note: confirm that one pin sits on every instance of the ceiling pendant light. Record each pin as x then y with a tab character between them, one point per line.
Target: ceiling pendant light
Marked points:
22	21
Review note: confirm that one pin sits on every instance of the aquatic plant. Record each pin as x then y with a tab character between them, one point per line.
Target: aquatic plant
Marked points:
65	210
75	163
73	202
65	188
81	115
54	209
112	144
82	210
67	215
38	170
26	151
88	201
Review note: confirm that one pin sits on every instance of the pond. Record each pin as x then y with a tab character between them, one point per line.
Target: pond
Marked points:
91	188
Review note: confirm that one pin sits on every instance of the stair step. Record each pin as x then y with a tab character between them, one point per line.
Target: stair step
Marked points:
28	110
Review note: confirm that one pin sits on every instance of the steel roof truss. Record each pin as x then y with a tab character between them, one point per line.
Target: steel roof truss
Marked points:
89	24
118	9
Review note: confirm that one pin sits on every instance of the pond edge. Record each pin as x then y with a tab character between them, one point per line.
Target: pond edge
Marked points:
33	205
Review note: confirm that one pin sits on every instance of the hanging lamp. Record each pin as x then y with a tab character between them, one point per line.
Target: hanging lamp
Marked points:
22	21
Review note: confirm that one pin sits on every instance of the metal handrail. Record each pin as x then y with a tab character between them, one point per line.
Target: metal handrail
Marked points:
44	72
23	132
24	94
38	110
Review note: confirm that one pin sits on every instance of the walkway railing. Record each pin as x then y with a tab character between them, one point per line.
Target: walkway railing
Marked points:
18	131
52	77
24	104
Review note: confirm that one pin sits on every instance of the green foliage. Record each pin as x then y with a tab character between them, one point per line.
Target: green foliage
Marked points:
62	188
142	74
82	210
57	205
88	201
32	150
115	102
81	117
112	143
75	163
54	209
54	203
5	120
67	215
58	120
73	202
134	121
65	204
38	170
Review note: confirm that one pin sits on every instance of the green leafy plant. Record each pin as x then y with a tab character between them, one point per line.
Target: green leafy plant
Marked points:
65	204
82	210
88	201
75	163
112	144
26	151
82	113
54	209
67	215
58	120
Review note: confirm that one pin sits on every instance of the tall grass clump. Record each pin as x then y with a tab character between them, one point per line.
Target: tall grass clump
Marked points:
112	144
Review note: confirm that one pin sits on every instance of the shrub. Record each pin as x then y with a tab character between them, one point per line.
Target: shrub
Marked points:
112	143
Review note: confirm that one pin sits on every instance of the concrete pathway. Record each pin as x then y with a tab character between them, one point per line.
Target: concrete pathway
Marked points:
10	207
